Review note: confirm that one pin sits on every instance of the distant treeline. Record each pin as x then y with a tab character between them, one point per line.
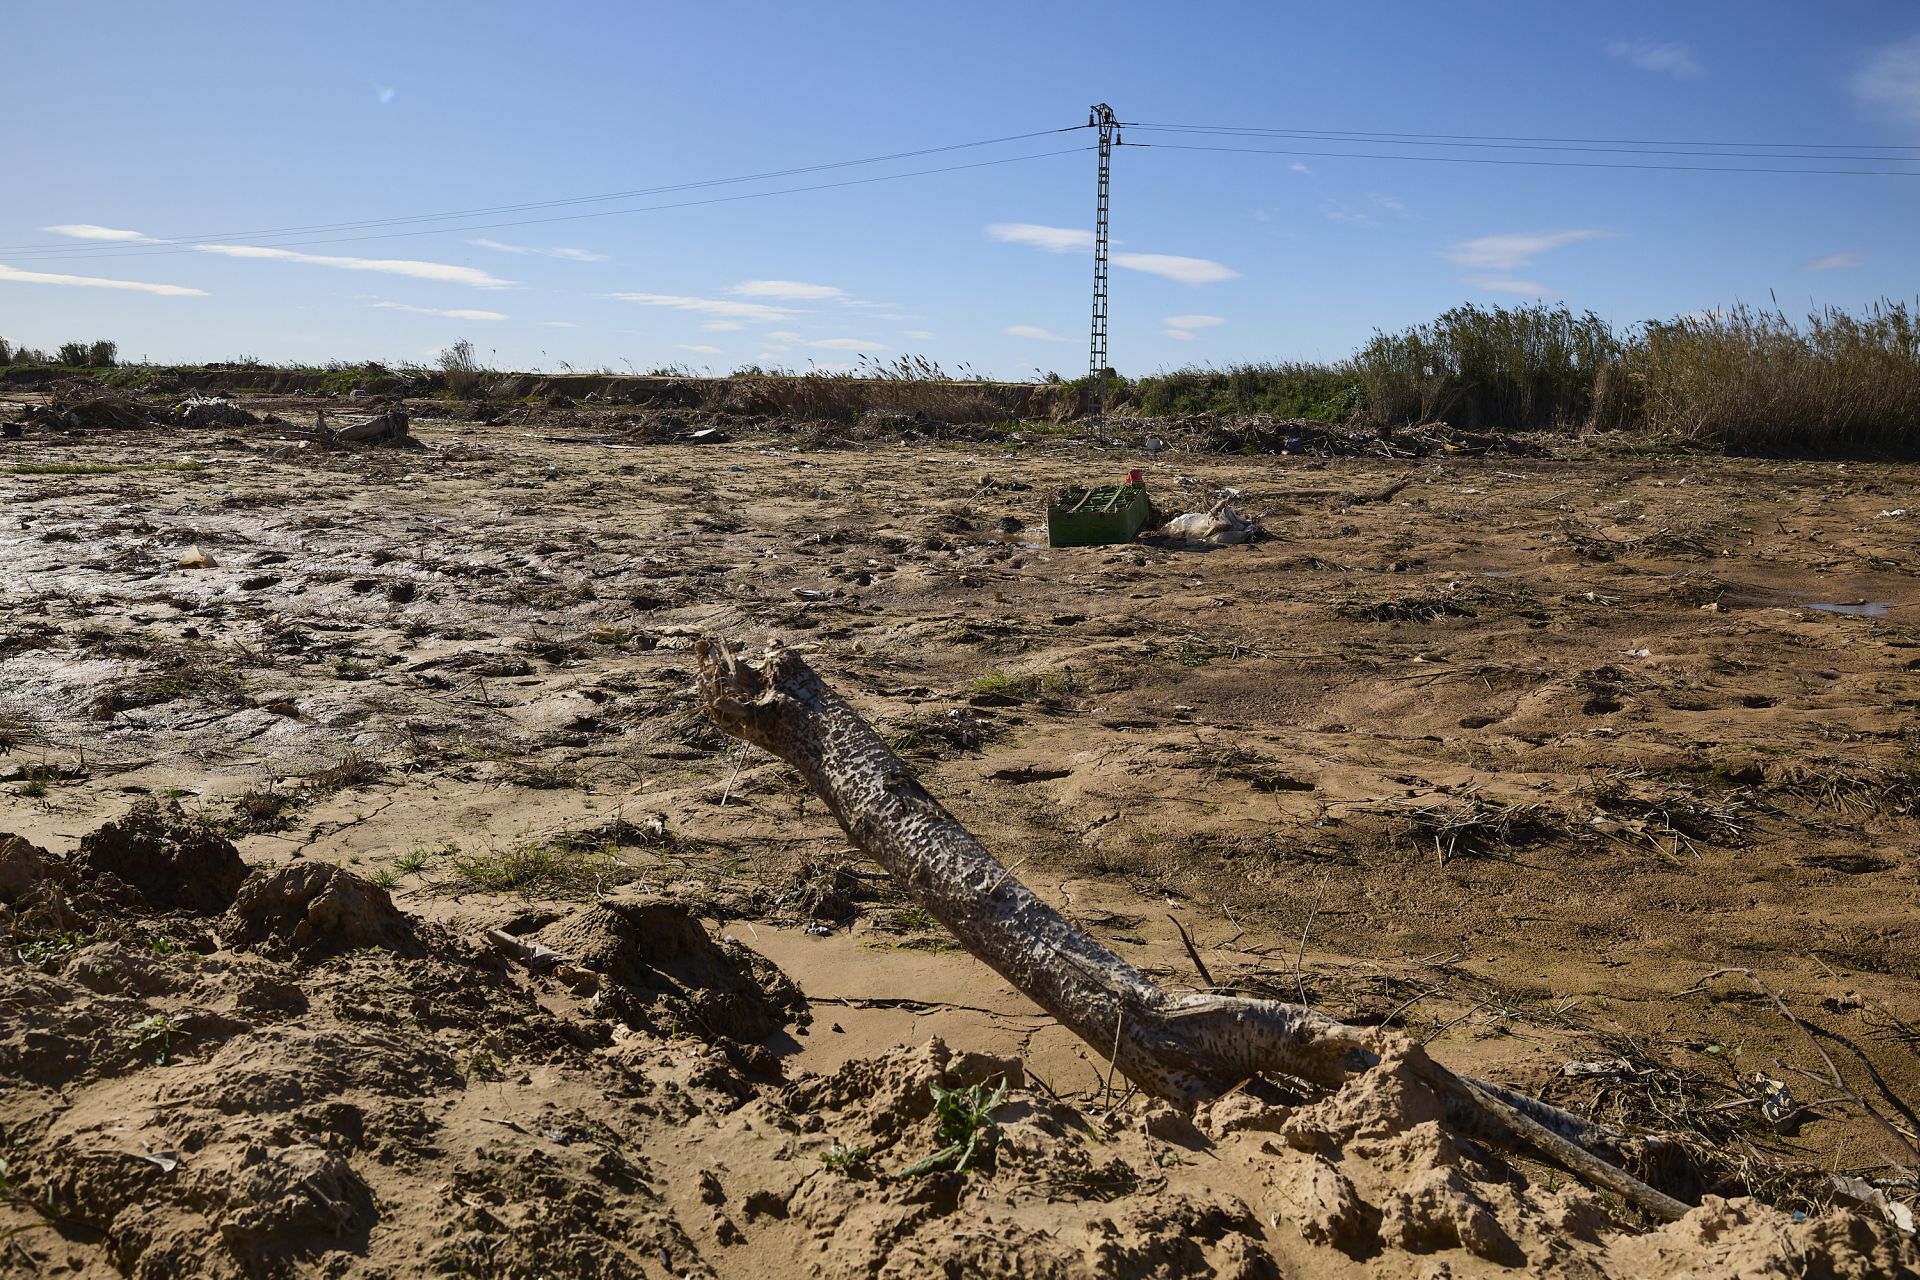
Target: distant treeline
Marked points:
1741	379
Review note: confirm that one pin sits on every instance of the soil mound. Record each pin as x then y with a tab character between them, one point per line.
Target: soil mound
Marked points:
663	973
316	909
173	862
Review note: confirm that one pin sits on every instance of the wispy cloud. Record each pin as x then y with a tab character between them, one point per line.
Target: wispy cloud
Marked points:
709	306
1071	240
1888	83
722	326
919	335
1835	262
1298	167
1033	235
847	344
456	314
1506	284
1665	57
1173	267
441	271
1512	251
784	335
786	290
98	282
1340	211
571	255
90	231
701	347
1034	332
1180	328
1392	204
559	324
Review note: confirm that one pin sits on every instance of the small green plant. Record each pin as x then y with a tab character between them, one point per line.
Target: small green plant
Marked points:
51	946
415	860
165	945
352	669
557	864
384	878
484	1064
916	918
967	1127
156	1034
843	1159
31	789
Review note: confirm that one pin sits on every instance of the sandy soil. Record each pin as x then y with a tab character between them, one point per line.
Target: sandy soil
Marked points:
1506	760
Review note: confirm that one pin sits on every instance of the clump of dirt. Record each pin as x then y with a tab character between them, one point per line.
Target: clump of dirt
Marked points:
174	862
316	910
663	971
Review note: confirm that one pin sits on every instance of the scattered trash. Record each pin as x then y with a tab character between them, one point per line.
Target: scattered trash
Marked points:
706	435
211	411
195	558
1219	526
12	430
1777	1103
101	413
1897	513
1861	1192
815	929
165	1161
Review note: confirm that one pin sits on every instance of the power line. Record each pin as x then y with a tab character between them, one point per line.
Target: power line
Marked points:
101	249
1547	164
1503	137
1388	140
171	249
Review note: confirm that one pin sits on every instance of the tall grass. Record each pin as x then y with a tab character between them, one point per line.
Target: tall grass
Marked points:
1289	389
1751	379
1490	368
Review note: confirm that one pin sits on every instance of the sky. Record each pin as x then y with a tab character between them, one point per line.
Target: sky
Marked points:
215	181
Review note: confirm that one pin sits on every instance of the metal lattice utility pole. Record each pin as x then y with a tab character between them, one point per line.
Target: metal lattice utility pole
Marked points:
1102	119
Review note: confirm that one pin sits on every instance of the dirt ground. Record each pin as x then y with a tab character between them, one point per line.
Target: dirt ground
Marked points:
1508	758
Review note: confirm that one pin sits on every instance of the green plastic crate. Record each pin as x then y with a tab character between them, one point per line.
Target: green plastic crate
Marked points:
1097	517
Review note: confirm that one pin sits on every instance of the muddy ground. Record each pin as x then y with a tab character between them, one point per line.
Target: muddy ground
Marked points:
1507	758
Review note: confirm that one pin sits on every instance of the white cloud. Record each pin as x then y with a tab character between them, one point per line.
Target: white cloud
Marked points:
1174	267
1834	262
722	326
1193	322
440	271
571	255
559	324
1665	57
1509	252
787	290
783	335
1033	331
1391	203
89	231
1505	284
1889	82
709	306
1297	167
97	282
436	311
1340	212
1052	239
847	344
919	335
701	347
1181	334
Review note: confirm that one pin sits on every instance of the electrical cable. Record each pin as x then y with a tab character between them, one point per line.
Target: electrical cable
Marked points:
1549	164
487	211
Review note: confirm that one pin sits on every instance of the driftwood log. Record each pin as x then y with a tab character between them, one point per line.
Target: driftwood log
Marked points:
1182	1047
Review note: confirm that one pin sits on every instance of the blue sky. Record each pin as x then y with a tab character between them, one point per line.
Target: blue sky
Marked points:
154	146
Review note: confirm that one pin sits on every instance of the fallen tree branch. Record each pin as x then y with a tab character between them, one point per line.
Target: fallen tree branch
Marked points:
1184	1048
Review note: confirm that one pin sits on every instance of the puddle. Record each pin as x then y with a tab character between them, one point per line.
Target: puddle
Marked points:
1864	609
